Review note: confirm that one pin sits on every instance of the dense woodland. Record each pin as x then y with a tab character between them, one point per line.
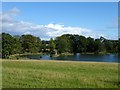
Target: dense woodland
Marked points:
66	43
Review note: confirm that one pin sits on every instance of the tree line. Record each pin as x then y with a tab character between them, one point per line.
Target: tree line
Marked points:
66	43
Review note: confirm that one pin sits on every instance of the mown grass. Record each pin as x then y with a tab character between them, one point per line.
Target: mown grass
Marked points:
58	74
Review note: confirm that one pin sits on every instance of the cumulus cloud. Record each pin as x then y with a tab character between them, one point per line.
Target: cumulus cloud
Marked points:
9	15
61	29
12	26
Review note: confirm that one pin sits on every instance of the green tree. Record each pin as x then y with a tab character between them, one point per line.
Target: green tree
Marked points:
10	45
0	45
82	44
38	44
119	46
90	45
75	39
108	46
115	46
45	46
63	44
30	43
97	46
17	47
52	46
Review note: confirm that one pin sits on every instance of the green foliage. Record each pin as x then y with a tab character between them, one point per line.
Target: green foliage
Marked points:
0	45
119	46
63	44
10	45
90	45
97	46
45	46
80	44
52	46
66	43
30	43
108	45
19	44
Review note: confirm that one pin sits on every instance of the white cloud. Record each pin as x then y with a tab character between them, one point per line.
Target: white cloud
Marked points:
9	15
10	25
27	33
55	26
61	29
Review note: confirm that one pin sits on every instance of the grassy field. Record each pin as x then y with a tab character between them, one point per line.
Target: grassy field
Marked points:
58	74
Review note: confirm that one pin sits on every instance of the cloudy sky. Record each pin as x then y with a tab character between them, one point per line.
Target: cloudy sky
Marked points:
51	19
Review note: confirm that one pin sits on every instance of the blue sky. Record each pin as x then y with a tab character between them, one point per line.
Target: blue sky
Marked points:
52	19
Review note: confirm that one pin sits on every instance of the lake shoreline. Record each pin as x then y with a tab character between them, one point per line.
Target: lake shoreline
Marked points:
69	57
62	54
34	60
66	53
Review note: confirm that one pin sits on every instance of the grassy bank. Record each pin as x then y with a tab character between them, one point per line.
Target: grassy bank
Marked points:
22	56
58	74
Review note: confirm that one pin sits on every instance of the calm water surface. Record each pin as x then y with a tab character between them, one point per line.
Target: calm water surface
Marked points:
79	57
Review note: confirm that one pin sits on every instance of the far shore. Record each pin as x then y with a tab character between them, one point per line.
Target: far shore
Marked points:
34	60
66	53
56	55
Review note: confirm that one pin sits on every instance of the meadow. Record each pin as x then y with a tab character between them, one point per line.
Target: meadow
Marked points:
58	74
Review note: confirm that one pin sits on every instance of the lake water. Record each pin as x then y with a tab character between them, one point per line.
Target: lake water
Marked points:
79	57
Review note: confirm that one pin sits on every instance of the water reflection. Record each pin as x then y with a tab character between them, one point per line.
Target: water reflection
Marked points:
79	57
